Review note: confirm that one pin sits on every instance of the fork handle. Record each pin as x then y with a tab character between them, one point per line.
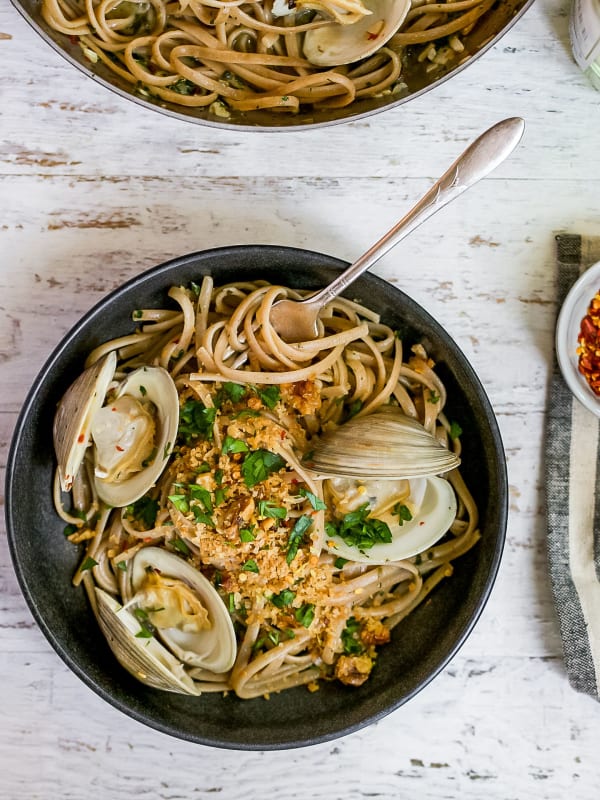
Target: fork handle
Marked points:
477	161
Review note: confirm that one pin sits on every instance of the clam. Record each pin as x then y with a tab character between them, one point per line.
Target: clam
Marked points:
132	435
384	444
173	622
146	659
335	44
418	513
193	621
74	415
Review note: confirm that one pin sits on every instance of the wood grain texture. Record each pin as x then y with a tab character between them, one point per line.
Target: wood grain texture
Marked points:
94	190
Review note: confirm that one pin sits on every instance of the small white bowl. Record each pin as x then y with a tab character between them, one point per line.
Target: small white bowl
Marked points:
568	326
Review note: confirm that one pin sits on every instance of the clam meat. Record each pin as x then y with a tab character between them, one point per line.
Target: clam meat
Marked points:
418	512
131	429
173	622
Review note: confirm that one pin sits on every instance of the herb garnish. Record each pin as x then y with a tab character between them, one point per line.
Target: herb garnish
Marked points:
403	512
180	545
180	501
350	638
268	509
231	445
296	536
247	534
259	465
89	563
203	495
305	614
250	566
455	430
283	599
269	395
146	628
357	529
196	421
144	510
315	501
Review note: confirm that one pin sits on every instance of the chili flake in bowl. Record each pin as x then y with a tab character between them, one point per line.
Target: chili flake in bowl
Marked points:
578	339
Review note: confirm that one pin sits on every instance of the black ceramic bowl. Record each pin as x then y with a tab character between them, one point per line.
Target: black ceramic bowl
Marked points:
488	30
421	646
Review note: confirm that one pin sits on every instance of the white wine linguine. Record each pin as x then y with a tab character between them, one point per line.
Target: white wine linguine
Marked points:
244	55
290	577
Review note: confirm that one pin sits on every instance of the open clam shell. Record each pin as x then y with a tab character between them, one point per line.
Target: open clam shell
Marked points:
384	444
212	649
146	659
74	416
80	418
434	504
156	385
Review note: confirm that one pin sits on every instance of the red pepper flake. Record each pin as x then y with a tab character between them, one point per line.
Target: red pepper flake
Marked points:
588	348
81	438
120	449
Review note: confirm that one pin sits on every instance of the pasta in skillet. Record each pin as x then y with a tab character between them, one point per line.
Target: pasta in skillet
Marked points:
244	55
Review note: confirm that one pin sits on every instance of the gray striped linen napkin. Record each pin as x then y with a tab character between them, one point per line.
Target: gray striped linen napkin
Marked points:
572	457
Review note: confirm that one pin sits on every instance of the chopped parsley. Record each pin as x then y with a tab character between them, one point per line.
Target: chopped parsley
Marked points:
250	566
234	391
350	638
247	534
144	510
455	430
89	563
283	599
69	530
315	501
268	509
296	536
305	614
433	397
203	495
201	517
259	465
231	445
358	530
181	502
146	630
183	86
354	408
181	546
270	395
220	495
403	513
196	421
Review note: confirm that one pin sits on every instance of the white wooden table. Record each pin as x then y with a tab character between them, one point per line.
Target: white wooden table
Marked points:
94	189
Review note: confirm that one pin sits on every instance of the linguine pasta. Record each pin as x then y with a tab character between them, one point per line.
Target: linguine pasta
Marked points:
225	55
236	499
